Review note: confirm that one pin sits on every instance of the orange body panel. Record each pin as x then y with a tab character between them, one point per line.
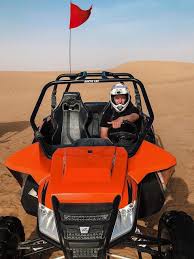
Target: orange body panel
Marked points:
30	160
149	158
88	174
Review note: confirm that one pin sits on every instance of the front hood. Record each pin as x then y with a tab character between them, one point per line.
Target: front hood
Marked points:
87	174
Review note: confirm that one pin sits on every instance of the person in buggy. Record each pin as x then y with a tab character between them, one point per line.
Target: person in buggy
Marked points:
121	120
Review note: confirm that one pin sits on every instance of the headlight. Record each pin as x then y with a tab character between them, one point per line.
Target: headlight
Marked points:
125	220
46	222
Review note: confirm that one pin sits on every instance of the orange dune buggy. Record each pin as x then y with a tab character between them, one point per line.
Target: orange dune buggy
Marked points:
86	192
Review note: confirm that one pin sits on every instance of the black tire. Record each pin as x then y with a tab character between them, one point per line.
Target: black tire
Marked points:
11	233
177	227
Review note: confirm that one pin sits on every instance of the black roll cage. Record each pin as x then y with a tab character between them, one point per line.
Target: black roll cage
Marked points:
84	78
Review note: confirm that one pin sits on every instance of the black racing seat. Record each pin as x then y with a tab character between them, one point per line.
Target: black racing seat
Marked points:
69	119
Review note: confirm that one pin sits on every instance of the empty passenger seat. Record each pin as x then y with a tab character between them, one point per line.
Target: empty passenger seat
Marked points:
95	109
69	119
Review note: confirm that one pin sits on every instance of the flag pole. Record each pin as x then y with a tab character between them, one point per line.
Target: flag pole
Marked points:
77	17
70	51
69	38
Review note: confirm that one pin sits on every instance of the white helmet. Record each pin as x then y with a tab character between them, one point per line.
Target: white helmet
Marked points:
116	90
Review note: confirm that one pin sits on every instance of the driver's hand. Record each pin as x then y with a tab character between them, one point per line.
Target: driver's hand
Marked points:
116	123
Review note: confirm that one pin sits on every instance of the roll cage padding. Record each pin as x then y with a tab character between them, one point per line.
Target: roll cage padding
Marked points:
69	119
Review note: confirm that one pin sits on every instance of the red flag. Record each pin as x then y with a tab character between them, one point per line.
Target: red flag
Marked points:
78	16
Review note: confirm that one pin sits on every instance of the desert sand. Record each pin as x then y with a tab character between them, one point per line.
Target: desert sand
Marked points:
170	86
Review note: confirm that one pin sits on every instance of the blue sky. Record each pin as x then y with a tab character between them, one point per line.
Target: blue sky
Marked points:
34	34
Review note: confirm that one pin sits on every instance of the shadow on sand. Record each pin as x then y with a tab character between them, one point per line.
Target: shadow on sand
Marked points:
177	199
13	128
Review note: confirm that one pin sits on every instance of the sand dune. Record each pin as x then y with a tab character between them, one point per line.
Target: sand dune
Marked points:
170	86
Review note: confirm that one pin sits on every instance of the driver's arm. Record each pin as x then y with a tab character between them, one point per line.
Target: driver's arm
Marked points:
117	123
131	117
104	132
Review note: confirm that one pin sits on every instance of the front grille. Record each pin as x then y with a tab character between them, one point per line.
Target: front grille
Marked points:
78	218
92	236
85	229
92	232
85	252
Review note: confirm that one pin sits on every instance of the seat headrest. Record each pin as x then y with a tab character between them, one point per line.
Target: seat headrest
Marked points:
71	97
70	101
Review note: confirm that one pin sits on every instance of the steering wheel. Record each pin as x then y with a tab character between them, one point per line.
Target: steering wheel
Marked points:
125	137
